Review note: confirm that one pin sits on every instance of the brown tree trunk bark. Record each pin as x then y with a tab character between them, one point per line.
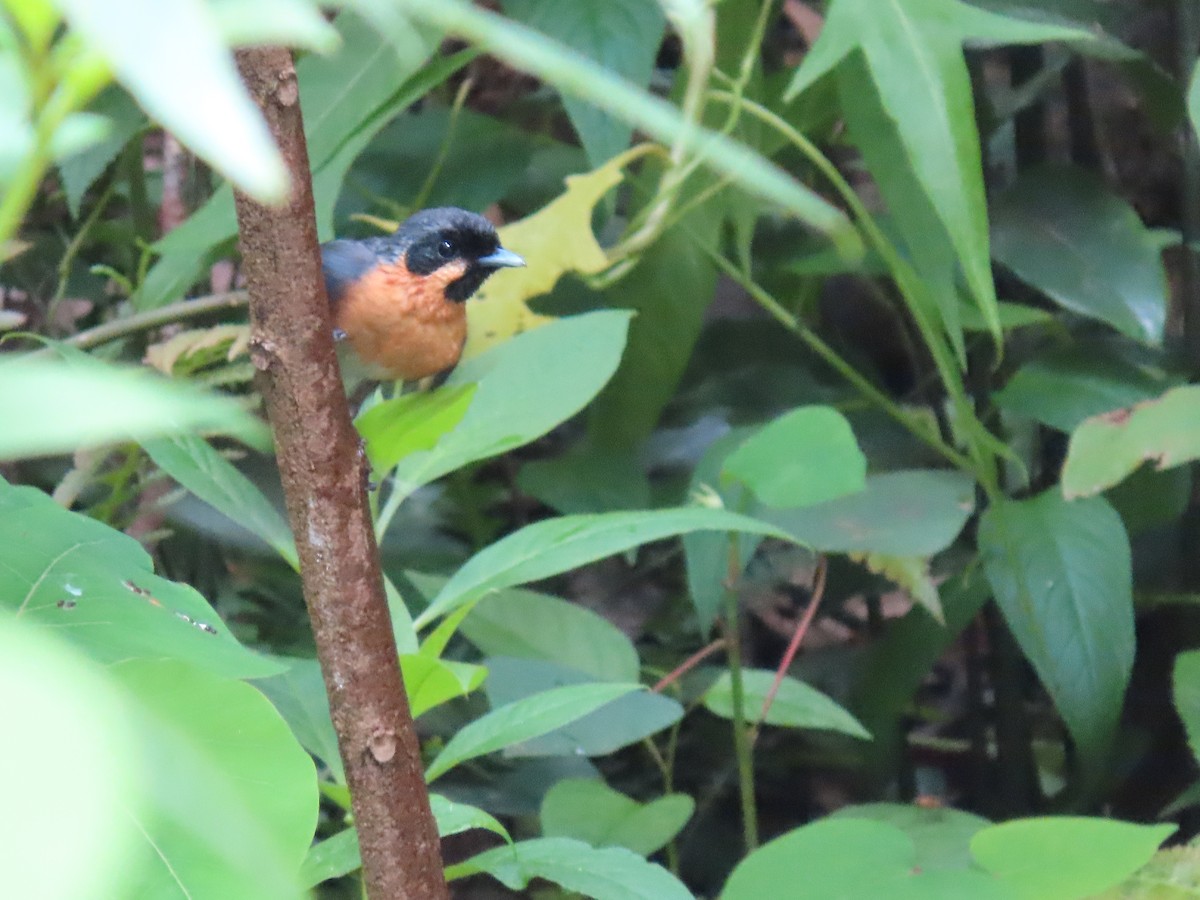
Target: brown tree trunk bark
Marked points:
324	479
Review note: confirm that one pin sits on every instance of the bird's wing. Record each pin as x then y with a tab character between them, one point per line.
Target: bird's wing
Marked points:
343	263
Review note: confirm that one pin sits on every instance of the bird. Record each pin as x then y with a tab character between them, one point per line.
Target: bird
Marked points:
399	300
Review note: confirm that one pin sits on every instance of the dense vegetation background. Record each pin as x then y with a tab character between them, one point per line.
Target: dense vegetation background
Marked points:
820	495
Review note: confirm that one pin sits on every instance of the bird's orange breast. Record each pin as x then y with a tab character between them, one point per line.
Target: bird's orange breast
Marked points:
401	324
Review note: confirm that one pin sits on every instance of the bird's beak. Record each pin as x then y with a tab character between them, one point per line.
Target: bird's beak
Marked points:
500	259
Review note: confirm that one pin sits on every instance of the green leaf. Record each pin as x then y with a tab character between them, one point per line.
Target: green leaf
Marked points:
622	35
556	65
1187	696
914	513
625	721
97	588
339	855
298	694
555	545
1062	576
1193	100
940	835
806	456
797	705
232	798
851	858
524	387
72	759
95	403
912	51
611	873
80	171
170	56
1064	387
1105	449
430	681
193	463
1065	856
1063	232
294	23
525	719
411	422
590	811
528	625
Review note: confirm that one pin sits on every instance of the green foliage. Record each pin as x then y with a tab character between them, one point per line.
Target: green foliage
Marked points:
868	453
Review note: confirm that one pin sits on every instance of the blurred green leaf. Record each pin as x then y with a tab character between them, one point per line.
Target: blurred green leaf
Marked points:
618	724
169	54
621	35
523	388
1193	100
611	873
565	633
80	171
590	811
1065	856
940	836
1063	387
193	463
914	58
523	720
290	23
72	757
796	705
94	403
804	457
1106	448
555	545
1063	232
231	796
1061	574
412	422
96	587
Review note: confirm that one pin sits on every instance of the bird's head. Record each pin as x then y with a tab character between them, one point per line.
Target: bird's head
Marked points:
457	245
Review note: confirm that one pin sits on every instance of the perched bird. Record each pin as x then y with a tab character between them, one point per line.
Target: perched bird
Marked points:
400	300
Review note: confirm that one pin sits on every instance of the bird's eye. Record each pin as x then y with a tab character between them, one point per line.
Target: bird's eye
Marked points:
445	249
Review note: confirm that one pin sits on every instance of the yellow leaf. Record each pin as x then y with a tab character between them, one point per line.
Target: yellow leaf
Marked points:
231	340
910	573
555	240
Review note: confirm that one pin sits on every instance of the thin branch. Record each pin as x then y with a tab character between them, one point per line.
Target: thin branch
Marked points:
324	478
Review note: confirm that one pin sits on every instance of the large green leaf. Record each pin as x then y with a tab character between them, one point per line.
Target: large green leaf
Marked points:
804	457
940	835
622	722
609	873
96	587
171	56
1066	856
914	513
430	681
796	705
621	35
299	696
95	403
523	388
590	811
524	720
231	798
1063	232
566	633
1106	448
845	858
71	759
555	545
912	50
1061	574
412	422
202	470
1064	387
